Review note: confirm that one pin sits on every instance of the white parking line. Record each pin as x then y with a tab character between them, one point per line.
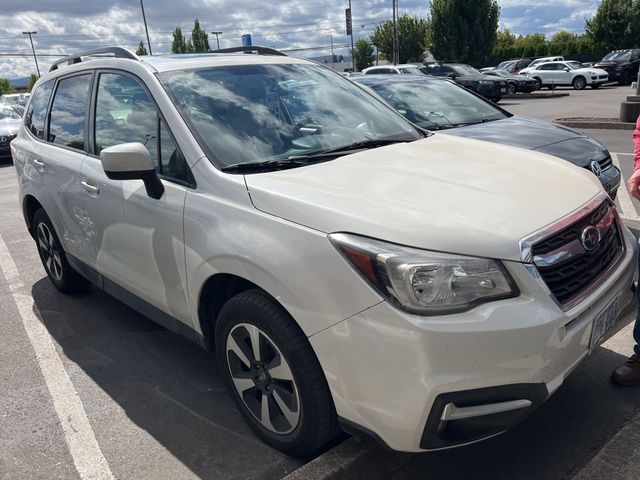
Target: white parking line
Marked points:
626	205
83	446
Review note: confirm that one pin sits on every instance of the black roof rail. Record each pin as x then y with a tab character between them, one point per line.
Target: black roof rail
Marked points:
251	49
117	52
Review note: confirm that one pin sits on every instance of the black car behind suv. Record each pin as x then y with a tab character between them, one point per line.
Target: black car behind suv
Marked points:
621	65
492	88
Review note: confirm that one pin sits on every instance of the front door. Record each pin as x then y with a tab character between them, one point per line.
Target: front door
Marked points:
141	247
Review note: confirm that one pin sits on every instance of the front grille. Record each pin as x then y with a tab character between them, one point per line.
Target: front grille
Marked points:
567	279
606	162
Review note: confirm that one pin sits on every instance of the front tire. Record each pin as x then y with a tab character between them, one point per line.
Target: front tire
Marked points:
511	89
53	257
274	376
579	83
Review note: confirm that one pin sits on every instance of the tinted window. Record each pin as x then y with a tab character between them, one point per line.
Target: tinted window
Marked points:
125	113
546	66
37	112
68	111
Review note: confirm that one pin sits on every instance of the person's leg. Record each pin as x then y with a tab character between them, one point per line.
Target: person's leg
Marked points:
628	374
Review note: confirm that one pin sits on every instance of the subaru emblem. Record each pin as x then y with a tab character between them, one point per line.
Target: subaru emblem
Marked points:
596	168
3	139
590	238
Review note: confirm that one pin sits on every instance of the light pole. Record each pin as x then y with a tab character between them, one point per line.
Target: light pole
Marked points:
33	50
396	42
217	39
144	19
353	60
333	66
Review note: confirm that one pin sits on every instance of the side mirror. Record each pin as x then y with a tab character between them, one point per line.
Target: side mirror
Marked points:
132	161
452	76
565	69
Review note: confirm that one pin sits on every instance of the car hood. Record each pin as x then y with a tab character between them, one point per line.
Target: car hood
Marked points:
9	126
442	193
607	64
539	135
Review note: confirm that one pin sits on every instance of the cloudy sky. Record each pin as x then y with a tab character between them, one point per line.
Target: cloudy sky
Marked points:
67	26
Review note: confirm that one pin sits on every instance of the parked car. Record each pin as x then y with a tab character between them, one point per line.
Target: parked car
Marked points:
621	65
514	66
18	100
516	83
539	61
437	104
492	88
552	74
350	268
9	125
405	69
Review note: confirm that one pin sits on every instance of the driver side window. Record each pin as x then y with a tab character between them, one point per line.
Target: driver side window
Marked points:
126	113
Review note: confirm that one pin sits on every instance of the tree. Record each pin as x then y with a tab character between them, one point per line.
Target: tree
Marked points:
178	45
563	36
362	54
5	86
199	38
614	25
412	37
33	78
141	49
189	47
505	39
464	31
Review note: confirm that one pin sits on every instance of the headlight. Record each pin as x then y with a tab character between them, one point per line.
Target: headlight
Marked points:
424	282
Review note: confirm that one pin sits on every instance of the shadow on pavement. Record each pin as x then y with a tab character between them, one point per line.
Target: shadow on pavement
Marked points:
166	385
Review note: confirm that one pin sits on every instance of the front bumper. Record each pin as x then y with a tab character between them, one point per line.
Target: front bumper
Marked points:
493	90
392	373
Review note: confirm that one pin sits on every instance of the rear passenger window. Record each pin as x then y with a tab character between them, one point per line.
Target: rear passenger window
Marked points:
68	111
37	112
125	113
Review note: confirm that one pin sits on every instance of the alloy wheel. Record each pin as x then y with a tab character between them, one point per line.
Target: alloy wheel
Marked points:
263	378
49	251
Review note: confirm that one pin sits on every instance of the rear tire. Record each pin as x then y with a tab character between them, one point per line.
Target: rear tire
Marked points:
274	376
579	83
54	260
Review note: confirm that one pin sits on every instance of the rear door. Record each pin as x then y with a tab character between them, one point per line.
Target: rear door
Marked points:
54	157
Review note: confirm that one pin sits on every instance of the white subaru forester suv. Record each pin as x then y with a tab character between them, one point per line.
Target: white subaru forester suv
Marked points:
350	270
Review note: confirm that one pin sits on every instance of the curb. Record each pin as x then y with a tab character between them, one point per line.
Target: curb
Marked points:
618	459
353	459
595	123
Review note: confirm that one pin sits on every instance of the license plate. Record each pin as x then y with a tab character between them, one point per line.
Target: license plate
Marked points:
604	321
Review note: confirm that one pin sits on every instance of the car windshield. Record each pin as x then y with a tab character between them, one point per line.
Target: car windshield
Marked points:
257	113
411	70
505	65
466	70
574	64
437	104
9	113
617	57
502	73
9	99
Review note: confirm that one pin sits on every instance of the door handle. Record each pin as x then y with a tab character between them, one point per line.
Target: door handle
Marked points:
92	189
38	163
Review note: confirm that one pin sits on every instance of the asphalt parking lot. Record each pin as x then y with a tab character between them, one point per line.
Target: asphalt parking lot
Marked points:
143	403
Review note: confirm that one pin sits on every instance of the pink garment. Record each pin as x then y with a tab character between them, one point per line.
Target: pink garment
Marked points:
636	146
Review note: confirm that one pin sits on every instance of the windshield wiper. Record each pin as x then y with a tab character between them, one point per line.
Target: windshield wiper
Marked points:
302	160
343	150
266	166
